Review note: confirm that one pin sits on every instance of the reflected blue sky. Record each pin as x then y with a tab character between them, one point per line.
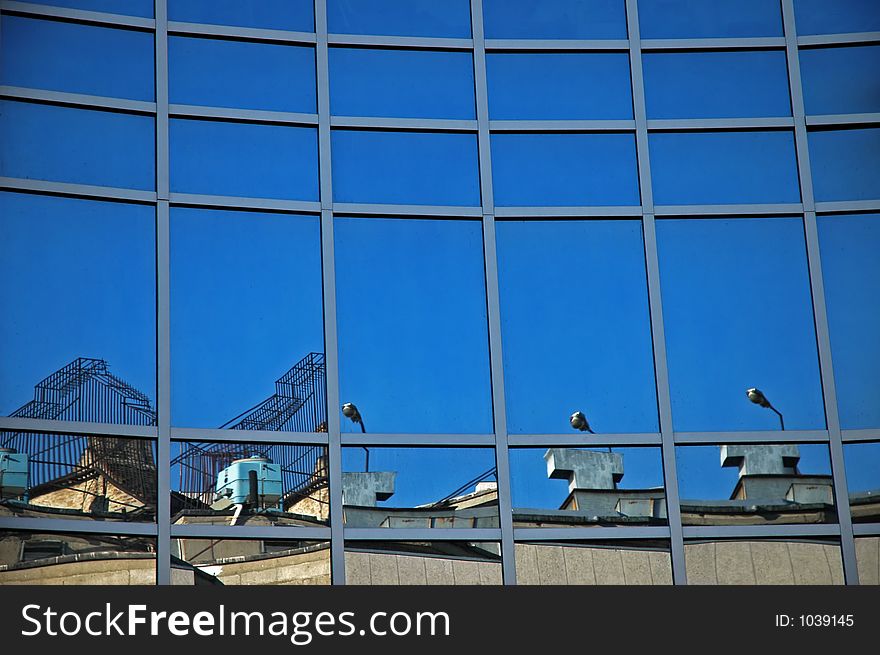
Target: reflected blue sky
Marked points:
90	292
862	466
839	16
827	91
411	315
575	327
297	15
449	18
845	164
142	8
691	19
738	314
554	19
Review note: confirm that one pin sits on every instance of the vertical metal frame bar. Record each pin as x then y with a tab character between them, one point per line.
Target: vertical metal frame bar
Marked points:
652	270
817	288
328	264
499	407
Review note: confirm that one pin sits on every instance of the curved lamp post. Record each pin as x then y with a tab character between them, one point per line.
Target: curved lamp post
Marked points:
350	411
757	396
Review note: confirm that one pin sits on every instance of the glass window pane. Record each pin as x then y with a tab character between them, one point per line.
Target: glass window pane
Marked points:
265	270
716	84
64	476
422	563
863	481
244	159
419	487
64	144
411	314
555	363
450	18
221	73
755	484
53	558
840	16
295	15
553	85
693	19
845	164
554	19
696	168
252	562
570	487
841	80
401	83
564	169
612	562
868	560
72	57
417	168
851	274
249	484
143	8
764	562
738	315
85	318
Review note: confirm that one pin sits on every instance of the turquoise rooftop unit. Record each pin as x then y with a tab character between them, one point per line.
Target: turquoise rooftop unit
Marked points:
233	482
13	473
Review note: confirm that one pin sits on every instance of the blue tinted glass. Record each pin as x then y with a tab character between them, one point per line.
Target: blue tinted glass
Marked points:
841	80
221	73
450	18
247	306
863	481
716	84
850	248
564	169
554	19
417	168
556	363
723	168
244	159
69	57
411	312
755	484
295	15
143	8
845	164
558	85
401	83
81	277
691	19
838	16
62	144
738	315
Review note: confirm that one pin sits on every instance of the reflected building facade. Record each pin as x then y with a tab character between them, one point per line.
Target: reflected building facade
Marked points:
472	221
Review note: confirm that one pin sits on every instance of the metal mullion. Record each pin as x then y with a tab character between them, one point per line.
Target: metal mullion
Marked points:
236	202
499	411
555	45
25	523
848	206
567	212
757	436
597	125
244	115
423	534
20	424
239	33
81	190
401	42
720	124
249	436
861	435
78	15
652	270
404	124
752	43
866	529
811	232
730	211
418	440
838	39
64	98
434	211
595	440
761	531
591	534
272	532
849	120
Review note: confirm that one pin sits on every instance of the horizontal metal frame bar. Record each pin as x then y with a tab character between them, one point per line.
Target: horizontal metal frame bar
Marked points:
728	210
837	39
760	531
845	206
718	124
571	440
866	529
248	436
78	99
757	436
410	42
421	534
494	45
243	115
755	43
868	119
590	534
76	525
423	124
610	125
273	532
856	436
80	15
341	209
232	202
179	28
418	440
568	212
17	424
83	190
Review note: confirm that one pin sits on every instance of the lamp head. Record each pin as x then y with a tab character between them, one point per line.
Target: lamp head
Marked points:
757	397
350	411
579	422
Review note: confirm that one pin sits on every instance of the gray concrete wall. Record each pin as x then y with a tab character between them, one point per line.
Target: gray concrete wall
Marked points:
392	569
538	564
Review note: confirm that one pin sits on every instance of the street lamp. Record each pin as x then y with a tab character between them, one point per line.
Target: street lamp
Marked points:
579	422
351	412
757	397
